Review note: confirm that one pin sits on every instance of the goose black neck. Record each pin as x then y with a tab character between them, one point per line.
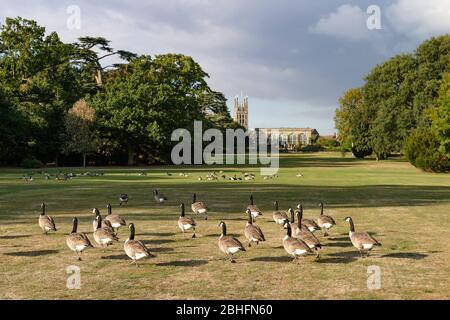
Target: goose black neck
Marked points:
156	191
99	221
182	210
224	229
97	213
321	208
132	231
194	198
352	226
276	205
292	215
43	209
109	209
299	219
289	230
74	225
250	218
251	199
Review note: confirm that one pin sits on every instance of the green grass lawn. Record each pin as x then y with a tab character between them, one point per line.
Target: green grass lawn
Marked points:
405	209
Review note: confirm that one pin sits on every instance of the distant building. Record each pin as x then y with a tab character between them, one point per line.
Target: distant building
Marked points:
241	111
290	138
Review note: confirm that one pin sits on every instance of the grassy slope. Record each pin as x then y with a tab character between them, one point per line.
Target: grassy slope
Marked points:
405	209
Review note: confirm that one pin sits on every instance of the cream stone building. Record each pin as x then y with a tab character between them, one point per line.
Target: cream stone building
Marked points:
290	138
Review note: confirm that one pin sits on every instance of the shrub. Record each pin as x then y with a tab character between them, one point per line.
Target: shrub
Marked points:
31	163
312	148
422	150
361	151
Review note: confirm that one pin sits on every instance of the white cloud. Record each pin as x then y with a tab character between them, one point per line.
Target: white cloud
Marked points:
348	22
420	19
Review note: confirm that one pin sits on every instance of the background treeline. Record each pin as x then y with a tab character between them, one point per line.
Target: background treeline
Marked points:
402	108
60	103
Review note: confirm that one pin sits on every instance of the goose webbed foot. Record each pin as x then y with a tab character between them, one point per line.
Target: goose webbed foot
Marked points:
193	236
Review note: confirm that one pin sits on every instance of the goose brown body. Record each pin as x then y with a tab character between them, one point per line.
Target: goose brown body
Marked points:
135	249
186	223
116	220
104	236
294	246
253	208
229	244
199	207
325	222
253	232
46	223
279	216
77	241
362	241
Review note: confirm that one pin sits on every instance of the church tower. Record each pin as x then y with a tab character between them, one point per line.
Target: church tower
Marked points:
241	111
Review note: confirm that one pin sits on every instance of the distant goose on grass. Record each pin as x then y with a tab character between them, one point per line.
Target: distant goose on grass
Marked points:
123	198
186	223
135	249
293	246
362	241
103	236
303	233
199	207
325	222
229	244
254	209
309	223
253	232
159	198
115	220
77	241
279	216
46	222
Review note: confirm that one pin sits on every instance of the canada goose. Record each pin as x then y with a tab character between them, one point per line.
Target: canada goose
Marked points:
46	222
229	244
107	224
77	241
309	223
186	223
159	198
361	240
294	246
302	232
279	216
199	206
325	222
253	232
123	198
95	221
103	236
135	249
115	220
254	209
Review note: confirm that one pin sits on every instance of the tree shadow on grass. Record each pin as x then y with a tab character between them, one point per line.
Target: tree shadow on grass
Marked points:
159	241
161	249
340	244
273	259
214	235
14	236
406	255
35	253
158	234
336	260
183	263
116	257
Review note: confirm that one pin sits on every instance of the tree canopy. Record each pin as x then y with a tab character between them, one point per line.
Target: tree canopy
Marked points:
137	102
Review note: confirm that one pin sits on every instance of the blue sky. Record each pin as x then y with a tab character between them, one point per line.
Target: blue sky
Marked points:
292	58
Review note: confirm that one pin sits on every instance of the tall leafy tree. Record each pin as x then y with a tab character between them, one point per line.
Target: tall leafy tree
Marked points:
441	117
80	135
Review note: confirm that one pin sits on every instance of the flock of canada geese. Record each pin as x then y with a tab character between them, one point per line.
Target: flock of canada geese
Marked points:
299	240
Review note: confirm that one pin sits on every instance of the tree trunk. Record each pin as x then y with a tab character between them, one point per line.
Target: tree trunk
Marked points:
84	160
98	78
130	155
